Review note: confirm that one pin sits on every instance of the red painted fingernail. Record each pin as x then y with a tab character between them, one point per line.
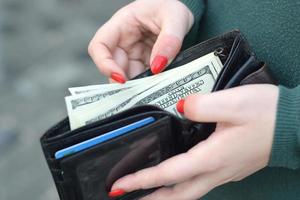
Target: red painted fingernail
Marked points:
180	106
116	193
117	77
158	64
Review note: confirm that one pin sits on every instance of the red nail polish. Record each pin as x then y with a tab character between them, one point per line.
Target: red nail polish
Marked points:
180	106
118	77
116	193
158	64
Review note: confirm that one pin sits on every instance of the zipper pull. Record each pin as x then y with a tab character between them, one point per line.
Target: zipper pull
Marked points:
220	52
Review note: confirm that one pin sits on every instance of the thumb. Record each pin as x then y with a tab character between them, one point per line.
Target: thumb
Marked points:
169	42
223	106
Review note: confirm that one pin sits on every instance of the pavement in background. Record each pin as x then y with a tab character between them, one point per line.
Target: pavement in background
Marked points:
43	51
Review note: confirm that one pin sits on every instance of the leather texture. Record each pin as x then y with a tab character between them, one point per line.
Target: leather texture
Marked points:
262	75
89	175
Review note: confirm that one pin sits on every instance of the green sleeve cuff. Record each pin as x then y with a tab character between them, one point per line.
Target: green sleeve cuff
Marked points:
197	8
286	144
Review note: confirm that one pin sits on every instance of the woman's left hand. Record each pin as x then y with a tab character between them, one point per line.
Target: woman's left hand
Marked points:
240	145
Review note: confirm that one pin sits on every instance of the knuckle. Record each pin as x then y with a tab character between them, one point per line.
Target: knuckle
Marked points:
165	175
161	176
124	12
156	178
170	44
145	179
218	161
208	162
90	48
136	177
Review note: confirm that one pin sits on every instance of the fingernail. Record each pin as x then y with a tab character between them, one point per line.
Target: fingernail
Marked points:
158	64
118	77
180	106
116	193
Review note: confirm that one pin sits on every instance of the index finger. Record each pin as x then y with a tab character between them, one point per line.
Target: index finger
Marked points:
174	170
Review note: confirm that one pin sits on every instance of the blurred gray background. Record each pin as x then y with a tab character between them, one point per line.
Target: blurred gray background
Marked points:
43	51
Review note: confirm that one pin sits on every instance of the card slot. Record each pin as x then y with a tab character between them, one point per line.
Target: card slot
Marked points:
238	55
93	171
70	140
263	75
250	66
65	131
95	132
228	68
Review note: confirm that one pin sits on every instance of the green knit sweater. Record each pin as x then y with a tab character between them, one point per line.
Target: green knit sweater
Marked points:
273	30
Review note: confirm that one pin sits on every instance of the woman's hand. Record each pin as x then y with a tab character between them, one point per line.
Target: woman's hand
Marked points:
143	32
240	145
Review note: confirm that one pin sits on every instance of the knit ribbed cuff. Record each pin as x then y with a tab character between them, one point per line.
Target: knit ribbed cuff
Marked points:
197	8
286	145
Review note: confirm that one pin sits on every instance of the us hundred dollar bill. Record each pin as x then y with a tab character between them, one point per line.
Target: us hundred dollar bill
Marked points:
197	76
108	87
82	96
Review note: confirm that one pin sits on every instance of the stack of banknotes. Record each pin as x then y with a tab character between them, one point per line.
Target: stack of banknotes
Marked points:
95	102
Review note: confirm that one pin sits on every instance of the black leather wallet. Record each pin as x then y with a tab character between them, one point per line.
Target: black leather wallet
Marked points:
89	174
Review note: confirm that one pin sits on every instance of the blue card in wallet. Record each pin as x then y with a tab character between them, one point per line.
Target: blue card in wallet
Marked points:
102	138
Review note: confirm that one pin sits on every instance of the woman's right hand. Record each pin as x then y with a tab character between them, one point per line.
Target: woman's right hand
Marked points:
141	33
